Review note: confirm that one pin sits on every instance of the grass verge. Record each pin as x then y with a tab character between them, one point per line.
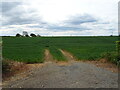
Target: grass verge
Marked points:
10	68
112	57
57	54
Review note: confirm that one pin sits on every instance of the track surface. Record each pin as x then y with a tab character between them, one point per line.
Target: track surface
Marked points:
71	74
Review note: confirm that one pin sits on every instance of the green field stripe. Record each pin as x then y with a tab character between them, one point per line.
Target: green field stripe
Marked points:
31	49
57	55
23	50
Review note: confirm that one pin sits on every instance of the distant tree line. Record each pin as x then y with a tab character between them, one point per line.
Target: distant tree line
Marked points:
25	34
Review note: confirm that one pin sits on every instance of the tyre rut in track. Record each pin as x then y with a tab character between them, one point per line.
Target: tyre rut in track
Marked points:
68	55
48	56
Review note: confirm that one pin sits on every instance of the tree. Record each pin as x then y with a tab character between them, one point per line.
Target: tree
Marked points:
32	35
26	35
18	35
38	35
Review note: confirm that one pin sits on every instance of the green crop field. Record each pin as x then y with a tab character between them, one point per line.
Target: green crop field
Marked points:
31	49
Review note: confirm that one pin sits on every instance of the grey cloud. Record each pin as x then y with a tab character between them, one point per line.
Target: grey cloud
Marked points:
57	27
15	14
18	20
36	26
7	6
80	19
74	23
62	28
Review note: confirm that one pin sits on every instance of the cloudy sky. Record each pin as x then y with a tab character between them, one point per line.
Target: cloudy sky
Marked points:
59	17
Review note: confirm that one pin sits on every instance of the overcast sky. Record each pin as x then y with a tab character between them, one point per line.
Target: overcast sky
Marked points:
59	17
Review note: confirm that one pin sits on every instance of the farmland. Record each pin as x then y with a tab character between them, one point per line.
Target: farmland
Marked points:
31	49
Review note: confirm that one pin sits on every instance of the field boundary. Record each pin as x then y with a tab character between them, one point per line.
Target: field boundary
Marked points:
48	56
68	55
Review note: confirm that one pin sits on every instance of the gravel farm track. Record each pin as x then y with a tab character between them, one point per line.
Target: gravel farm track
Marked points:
69	74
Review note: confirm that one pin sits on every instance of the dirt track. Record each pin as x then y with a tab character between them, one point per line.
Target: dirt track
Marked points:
71	74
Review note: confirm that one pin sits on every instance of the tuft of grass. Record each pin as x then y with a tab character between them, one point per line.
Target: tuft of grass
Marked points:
57	54
112	57
5	67
9	68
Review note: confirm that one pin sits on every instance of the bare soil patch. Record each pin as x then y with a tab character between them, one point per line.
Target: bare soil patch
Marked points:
99	63
104	64
75	75
48	56
12	68
68	55
15	70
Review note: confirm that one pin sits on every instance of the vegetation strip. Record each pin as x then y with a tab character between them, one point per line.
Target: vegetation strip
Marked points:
23	49
69	56
57	55
31	49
